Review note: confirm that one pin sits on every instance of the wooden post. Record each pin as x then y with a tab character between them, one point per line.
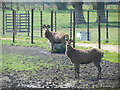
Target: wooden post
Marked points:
99	33
88	38
55	22
32	23
14	25
107	25
41	24
3	22
51	20
71	25
74	29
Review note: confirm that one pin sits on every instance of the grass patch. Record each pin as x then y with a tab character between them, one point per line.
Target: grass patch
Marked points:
113	36
15	62
26	41
111	57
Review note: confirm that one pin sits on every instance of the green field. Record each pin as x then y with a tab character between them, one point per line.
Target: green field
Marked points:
63	25
20	62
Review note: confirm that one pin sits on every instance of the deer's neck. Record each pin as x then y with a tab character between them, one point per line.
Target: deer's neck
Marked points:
69	51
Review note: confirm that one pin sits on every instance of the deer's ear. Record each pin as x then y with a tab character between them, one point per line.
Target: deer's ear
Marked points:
44	26
48	26
66	39
71	40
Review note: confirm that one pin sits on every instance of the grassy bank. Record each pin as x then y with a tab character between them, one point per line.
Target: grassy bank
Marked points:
19	62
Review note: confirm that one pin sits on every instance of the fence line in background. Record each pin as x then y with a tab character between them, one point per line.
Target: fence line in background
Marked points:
54	22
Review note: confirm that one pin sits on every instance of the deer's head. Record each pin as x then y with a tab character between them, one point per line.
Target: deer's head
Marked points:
68	42
46	27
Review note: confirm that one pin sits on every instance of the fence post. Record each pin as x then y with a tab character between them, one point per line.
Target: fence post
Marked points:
28	23
17	22
14	25
3	22
74	29
20	20
51	20
88	38
26	20
41	23
6	22
55	22
71	25
107	25
99	33
32	20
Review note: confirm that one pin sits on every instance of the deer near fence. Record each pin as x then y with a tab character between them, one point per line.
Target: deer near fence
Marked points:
55	37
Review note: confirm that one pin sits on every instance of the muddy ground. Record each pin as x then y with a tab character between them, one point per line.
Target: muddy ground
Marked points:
57	77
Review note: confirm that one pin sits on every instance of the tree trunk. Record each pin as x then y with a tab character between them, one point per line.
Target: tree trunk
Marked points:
79	17
101	12
4	6
61	5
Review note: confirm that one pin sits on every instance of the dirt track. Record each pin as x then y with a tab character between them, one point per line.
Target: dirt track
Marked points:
58	77
110	48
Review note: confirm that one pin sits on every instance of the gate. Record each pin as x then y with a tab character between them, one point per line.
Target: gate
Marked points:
22	21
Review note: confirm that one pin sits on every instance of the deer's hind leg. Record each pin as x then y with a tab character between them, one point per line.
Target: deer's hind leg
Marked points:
77	71
97	64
